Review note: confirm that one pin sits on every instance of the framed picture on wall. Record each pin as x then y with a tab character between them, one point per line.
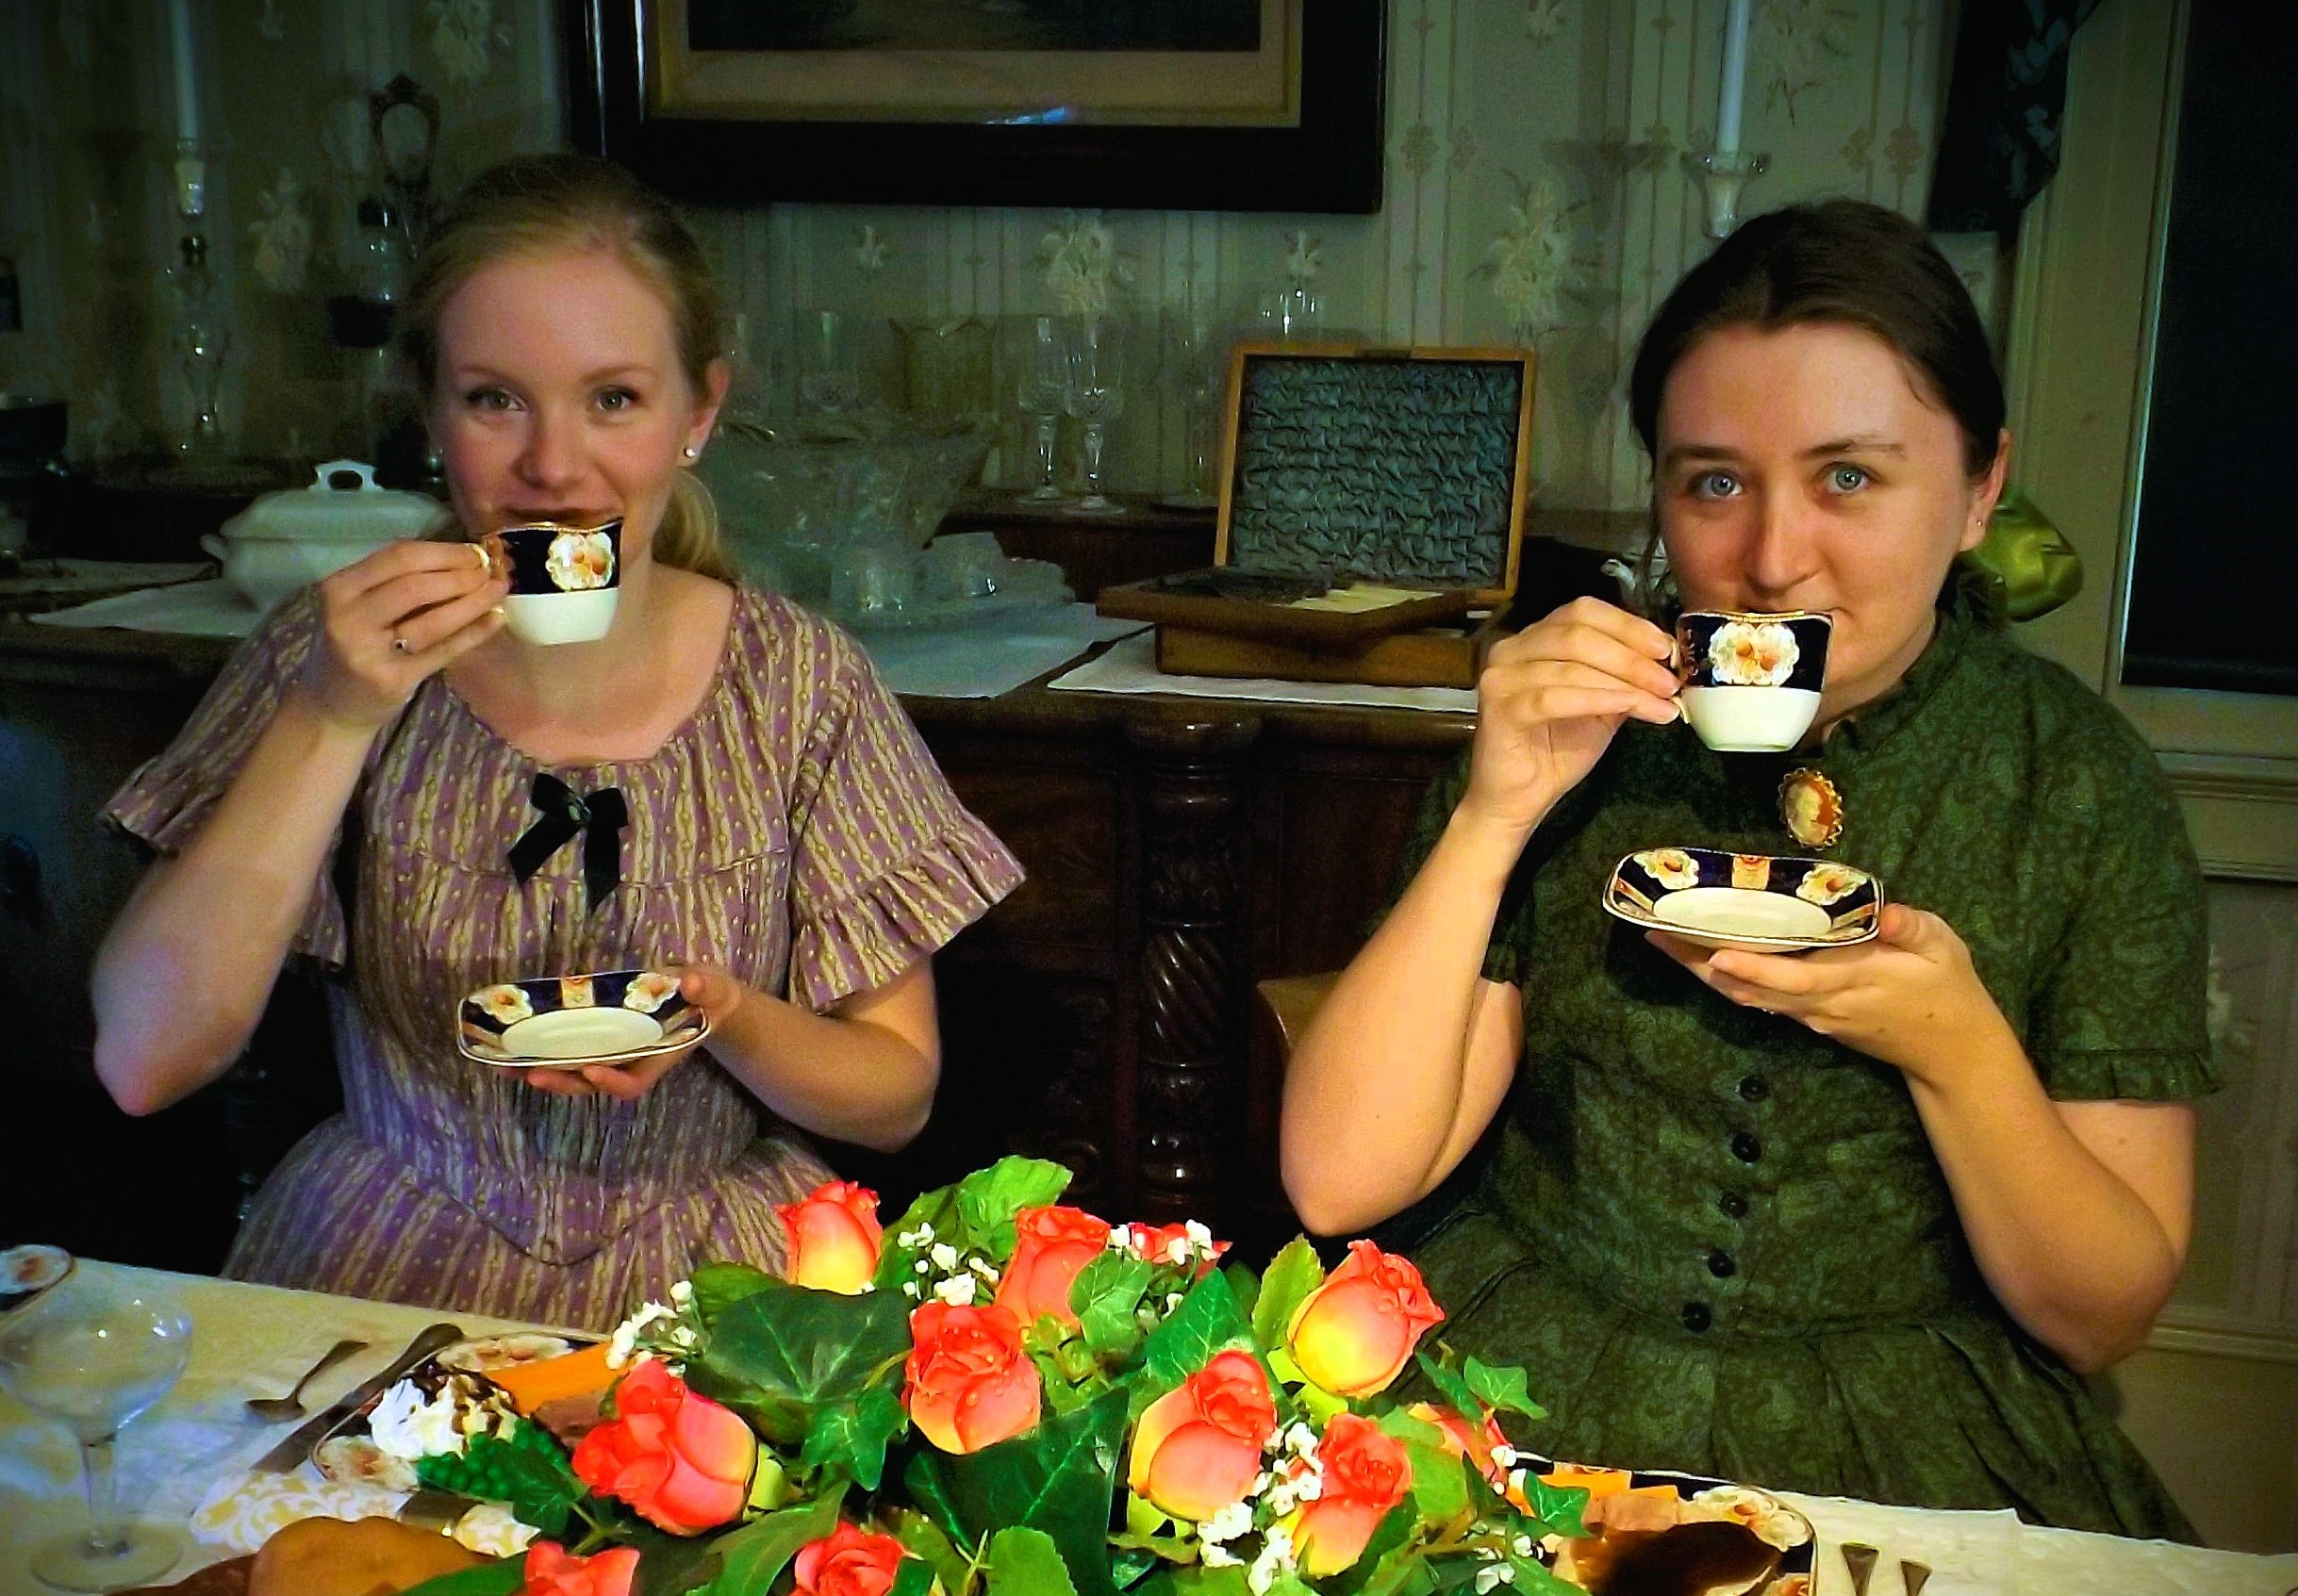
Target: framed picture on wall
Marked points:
1170	105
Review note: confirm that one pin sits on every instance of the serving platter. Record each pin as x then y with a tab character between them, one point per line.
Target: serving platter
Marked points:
567	1022
1724	899
1657	1530
350	1452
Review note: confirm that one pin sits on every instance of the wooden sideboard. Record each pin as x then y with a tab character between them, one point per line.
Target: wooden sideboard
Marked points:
1179	850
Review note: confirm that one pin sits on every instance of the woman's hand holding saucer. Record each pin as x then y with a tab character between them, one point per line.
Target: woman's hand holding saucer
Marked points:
713	990
394	619
1551	700
1910	997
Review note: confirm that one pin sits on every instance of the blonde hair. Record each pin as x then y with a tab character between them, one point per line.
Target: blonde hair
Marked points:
543	204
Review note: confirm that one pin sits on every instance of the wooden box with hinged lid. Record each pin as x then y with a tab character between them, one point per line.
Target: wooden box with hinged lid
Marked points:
1372	516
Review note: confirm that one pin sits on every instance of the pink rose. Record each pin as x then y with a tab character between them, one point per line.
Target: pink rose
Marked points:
553	1570
1354	1333
833	1236
682	1460
1051	1246
847	1562
968	1384
1196	1450
1365	1473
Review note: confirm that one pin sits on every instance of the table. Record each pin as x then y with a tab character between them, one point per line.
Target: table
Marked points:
255	1339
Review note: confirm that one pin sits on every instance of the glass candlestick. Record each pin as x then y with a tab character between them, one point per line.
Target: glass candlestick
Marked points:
202	334
1722	179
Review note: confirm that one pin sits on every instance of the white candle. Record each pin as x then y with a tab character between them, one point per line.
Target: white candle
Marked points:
186	102
1729	98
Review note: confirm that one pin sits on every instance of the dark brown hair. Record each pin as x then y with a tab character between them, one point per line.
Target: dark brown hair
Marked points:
1837	260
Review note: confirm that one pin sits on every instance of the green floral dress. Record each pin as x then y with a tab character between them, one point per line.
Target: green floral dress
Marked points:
1722	1242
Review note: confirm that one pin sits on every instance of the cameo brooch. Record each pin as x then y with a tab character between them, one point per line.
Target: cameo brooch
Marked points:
1812	806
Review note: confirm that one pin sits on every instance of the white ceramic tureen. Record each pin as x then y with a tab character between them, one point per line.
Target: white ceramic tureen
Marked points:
285	540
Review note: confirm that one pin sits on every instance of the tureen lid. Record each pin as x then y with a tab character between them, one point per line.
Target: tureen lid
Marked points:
342	504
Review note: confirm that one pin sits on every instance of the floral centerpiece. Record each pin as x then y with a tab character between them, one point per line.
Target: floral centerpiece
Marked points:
1004	1396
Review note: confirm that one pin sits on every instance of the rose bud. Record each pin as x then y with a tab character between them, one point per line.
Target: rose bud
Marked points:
833	1236
1462	1440
682	1460
1169	1243
968	1384
847	1562
553	1570
1353	1334
1052	1246
1197	1450
1365	1473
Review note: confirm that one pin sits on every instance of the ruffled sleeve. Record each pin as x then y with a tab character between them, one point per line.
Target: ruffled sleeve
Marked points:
2121	1012
888	864
167	799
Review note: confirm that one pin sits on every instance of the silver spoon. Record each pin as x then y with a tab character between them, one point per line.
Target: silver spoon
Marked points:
271	1409
1860	1560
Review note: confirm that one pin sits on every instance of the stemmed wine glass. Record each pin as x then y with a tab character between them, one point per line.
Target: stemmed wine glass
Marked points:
93	1355
1039	395
1191	349
1094	395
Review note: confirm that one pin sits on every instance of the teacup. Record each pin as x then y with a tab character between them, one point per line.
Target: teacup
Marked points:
565	580
1751	682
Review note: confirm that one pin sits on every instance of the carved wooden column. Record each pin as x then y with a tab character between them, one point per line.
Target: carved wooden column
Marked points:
1192	834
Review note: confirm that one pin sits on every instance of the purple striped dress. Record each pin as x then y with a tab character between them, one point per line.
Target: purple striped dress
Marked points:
794	830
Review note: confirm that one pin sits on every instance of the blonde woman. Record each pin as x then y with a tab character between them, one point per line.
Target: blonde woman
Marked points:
752	806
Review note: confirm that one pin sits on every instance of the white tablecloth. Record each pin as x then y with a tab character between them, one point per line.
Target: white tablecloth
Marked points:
253	1341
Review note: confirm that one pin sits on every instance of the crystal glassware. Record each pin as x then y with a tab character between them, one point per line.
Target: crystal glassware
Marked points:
1038	393
1192	350
1094	395
93	1355
202	332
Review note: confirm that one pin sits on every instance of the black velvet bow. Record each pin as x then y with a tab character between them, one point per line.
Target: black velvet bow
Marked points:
602	816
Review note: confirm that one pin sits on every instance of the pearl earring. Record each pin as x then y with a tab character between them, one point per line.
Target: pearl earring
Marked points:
691	453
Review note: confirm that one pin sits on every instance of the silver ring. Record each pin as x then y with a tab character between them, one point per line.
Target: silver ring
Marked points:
399	644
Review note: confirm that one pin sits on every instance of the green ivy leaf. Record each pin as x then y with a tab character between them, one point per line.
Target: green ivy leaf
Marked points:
1290	1278
1127	1565
1401	1525
988	1199
911	1577
1025	1562
750	1558
1103	1296
1208	1321
719	1286
488	1579
1059	1478
1456	1391
924	1538
1504	1387
783	1352
849	1437
1556	1509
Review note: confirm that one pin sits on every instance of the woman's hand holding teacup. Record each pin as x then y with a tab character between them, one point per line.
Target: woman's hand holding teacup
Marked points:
394	619
1910	998
713	990
1549	701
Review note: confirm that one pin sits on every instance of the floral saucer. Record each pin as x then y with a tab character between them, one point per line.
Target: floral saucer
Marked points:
1745	900
565	1022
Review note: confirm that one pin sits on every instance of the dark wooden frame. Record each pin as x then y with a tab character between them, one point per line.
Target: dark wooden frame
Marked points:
1329	162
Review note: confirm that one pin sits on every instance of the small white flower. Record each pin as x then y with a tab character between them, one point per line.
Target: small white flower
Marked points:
917	1238
682	1293
923	1267
1214	1556
1226	1524
1494	1574
957	1291
1276	1560
944	1257
625	1342
983	1267
1301	1438
1524	1546
1504	1456
911	1289
1176	1250
1120	1238
1200	1237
